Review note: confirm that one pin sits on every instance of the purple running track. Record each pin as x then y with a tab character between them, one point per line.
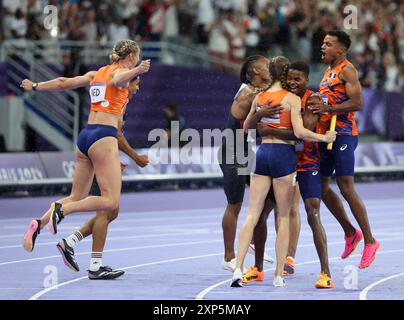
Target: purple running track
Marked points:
170	244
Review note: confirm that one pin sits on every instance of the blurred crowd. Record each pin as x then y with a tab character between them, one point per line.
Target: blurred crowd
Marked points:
229	29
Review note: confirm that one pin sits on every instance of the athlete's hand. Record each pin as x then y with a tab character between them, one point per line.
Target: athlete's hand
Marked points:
142	161
316	105
330	136
268	111
123	166
26	84
144	66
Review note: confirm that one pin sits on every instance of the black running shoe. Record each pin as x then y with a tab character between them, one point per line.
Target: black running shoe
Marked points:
67	255
55	218
105	273
33	231
237	280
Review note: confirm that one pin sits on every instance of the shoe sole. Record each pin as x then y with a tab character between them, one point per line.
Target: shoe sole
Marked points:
27	242
115	277
51	227
279	286
320	287
251	281
238	283
67	263
371	261
288	269
354	248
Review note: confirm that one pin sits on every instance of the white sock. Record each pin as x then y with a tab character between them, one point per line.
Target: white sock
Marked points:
96	261
74	239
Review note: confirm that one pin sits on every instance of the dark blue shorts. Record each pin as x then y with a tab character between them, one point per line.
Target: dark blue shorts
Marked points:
309	184
92	133
275	160
341	158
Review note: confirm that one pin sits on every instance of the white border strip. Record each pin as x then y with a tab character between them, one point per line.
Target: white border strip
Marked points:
135	177
180	176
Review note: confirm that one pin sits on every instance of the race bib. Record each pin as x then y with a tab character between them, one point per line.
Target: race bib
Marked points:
324	97
97	92
275	120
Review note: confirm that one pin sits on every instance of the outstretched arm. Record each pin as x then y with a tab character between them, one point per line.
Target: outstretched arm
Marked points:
60	83
124	146
300	131
122	76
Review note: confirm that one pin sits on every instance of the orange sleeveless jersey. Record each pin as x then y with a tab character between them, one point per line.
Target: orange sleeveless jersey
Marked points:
105	97
309	158
284	121
332	90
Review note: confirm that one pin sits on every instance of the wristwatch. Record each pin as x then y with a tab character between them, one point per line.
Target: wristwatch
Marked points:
34	86
329	107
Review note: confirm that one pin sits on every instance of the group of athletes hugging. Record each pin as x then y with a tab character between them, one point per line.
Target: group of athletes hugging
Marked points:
291	162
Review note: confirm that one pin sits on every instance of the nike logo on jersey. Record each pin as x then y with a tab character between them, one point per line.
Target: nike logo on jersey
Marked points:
344	146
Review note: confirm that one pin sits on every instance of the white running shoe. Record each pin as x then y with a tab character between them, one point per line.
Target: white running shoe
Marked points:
279	281
237	280
229	265
251	250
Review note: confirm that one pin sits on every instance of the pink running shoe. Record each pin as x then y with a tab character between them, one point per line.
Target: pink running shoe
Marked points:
30	236
369	254
351	243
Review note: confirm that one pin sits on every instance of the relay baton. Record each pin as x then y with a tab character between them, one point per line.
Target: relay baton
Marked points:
332	128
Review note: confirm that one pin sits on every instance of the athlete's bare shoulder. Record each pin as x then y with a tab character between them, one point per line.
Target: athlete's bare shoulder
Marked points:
245	92
349	66
349	73
291	97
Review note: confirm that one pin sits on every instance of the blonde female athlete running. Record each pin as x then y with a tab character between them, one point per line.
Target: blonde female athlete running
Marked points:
97	145
275	164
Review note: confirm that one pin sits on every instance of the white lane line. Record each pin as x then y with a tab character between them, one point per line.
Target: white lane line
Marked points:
172	245
123	221
147	236
42	292
177	244
364	292
204	292
327	222
203	231
381	205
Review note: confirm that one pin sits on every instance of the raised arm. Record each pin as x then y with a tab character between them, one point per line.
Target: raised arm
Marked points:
297	122
60	83
122	76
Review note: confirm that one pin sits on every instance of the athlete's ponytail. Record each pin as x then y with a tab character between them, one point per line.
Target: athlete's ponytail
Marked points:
122	49
279	69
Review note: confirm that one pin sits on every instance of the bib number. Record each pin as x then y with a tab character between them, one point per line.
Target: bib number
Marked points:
97	93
